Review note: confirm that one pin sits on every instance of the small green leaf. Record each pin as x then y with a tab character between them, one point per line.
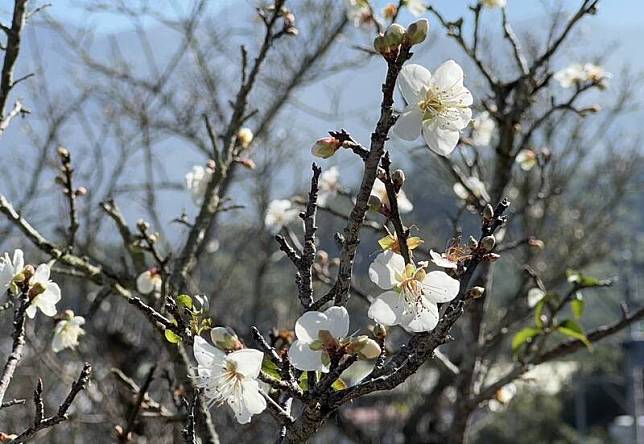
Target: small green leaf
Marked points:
183	300
270	368
585	281
171	336
577	305
572	329
524	336
538	312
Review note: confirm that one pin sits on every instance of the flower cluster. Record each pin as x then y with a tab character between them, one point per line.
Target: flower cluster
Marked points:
43	294
578	74
17	277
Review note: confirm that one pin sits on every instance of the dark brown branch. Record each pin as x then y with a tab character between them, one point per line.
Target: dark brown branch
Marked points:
61	414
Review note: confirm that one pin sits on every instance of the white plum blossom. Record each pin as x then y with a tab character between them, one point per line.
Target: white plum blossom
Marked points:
149	281
278	214
437	105
329	185
493	3
597	74
379	191
411	295
442	260
570	75
358	11
416	7
483	127
44	293
527	159
577	73
67	331
10	267
475	187
535	295
230	378
197	181
316	332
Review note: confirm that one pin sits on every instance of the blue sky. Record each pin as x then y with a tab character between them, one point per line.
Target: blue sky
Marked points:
612	12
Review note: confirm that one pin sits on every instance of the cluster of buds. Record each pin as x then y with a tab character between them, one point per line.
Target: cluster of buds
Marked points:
288	19
65	179
388	43
326	147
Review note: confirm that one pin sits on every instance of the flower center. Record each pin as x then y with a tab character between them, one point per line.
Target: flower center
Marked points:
434	104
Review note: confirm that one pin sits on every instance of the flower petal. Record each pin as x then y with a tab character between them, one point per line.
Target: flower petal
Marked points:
46	305
409	122
388	308
383	269
248	360
52	292
404	204
338	321
439	287
441	261
205	354
424	318
308	326
18	260
31	311
412	81
448	76
252	397
439	140
303	358
41	274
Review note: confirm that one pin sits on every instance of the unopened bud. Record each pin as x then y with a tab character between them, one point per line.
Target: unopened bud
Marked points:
379	331
68	315
487	243
488	212
142	224
398	178
475	292
244	137
81	191
380	45
389	11
246	162
63	152
325	147
365	347
417	31
538	243
225	338
472	243
394	35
